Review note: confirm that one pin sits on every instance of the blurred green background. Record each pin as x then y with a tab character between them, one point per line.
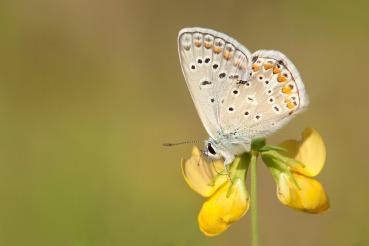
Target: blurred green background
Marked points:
89	90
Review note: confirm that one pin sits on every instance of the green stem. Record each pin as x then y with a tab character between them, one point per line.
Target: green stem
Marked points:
254	204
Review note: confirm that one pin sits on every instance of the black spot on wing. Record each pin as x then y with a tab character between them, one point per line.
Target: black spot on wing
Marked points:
222	75
205	82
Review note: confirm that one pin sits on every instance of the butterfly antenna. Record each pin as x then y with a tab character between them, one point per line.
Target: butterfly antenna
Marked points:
228	174
218	172
179	143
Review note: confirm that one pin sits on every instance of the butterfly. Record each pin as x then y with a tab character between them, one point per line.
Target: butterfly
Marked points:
239	96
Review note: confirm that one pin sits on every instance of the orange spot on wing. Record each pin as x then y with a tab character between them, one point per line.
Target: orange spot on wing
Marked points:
197	43
227	55
208	45
281	78
255	67
286	90
276	70
217	49
290	105
268	66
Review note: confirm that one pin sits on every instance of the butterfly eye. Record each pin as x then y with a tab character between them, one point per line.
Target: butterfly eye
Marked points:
211	149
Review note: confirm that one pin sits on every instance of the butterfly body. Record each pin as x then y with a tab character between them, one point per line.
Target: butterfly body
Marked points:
239	96
226	146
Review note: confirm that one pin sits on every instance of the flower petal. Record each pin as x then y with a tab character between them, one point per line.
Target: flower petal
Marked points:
310	151
203	176
308	195
226	206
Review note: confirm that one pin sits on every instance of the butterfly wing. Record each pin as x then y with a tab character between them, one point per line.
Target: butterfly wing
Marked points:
211	62
272	95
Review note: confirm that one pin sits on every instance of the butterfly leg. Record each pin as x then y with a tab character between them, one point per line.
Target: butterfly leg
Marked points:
219	172
228	173
203	154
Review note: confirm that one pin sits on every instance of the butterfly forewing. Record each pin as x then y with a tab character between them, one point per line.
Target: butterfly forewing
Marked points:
212	63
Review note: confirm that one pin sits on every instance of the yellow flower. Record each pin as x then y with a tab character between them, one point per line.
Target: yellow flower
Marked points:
228	199
308	195
292	173
310	151
203	177
293	165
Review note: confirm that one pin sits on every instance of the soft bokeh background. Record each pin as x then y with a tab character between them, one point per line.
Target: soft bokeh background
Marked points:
89	90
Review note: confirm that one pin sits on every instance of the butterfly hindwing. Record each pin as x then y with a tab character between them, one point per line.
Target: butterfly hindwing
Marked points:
212	63
272	95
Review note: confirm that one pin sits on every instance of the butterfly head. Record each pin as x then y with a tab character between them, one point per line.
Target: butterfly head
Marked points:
212	149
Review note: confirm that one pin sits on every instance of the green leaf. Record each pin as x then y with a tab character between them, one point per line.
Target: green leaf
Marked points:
257	143
293	180
277	167
287	161
272	147
274	166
